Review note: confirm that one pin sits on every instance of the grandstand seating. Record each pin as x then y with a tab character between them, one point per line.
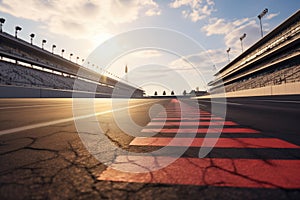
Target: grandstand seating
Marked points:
13	74
273	60
276	77
24	64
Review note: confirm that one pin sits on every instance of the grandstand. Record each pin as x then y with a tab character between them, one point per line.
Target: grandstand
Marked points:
273	60
25	65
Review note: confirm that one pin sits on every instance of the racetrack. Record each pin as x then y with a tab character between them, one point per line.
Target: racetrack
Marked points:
257	155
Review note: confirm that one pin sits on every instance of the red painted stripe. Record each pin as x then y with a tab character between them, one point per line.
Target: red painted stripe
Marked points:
220	143
249	173
187	111
187	118
200	130
174	101
226	123
191	111
184	115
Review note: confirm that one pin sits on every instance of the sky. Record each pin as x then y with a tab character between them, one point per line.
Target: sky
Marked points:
190	36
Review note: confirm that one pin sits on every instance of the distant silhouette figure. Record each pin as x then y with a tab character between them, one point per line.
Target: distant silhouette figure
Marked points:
164	93
172	93
155	93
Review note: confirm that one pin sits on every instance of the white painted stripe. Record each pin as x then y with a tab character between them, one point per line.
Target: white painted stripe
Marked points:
43	124
16	107
227	102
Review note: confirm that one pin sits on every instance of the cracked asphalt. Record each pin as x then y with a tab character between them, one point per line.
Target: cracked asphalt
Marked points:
49	161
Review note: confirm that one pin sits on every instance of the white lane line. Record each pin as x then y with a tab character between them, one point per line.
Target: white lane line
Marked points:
16	107
226	102
279	101
43	124
40	105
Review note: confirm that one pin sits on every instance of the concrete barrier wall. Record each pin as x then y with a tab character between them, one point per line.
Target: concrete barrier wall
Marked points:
283	89
18	92
25	92
289	88
264	91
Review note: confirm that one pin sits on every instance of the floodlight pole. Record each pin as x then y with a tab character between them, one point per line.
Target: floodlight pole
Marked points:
260	16
241	39
17	28
228	50
31	37
53	47
2	20
43	42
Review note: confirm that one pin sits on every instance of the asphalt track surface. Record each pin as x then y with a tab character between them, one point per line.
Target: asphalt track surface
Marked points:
256	157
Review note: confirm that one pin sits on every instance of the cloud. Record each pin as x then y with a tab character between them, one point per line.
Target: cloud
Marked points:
195	10
153	12
80	18
219	26
201	61
207	62
218	57
154	9
146	54
271	15
232	31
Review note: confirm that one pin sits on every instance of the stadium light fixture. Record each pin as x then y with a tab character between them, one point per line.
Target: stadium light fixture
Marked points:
241	39
31	37
228	50
62	52
17	28
214	68
53	47
43	42
260	16
2	20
